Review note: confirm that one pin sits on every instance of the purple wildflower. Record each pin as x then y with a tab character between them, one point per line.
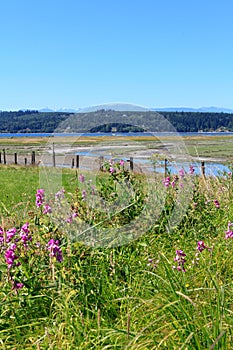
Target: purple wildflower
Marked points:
175	179
10	256
179	258
17	285
71	217
1	236
25	227
111	169
191	170
47	209
81	178
13	246
216	203
24	233
201	246
84	194
10	234
55	250
166	181
60	194
39	197
229	232
182	172
121	162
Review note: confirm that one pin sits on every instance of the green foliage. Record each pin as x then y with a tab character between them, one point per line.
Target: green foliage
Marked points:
125	297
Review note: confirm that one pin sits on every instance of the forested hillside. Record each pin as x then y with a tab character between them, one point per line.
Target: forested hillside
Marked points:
108	121
30	121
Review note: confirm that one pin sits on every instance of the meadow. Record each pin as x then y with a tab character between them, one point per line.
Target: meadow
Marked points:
169	287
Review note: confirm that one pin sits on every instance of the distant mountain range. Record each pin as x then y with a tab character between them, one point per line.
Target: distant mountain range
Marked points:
201	109
127	107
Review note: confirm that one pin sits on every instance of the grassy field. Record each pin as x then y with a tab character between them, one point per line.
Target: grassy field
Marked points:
170	288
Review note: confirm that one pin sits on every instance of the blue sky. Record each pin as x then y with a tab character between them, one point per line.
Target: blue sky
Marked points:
155	53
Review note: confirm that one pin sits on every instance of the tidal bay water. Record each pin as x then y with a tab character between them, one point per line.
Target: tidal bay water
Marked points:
181	134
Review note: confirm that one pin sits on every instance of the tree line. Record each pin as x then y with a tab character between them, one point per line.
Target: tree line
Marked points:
113	121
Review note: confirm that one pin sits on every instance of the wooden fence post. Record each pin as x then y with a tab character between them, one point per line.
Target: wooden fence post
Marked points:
131	163
77	161
4	156
101	162
15	156
203	168
165	167
25	161
33	158
72	164
54	157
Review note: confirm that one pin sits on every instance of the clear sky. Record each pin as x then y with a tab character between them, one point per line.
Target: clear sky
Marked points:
155	53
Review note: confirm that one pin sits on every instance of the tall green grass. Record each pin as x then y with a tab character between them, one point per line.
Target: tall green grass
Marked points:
116	298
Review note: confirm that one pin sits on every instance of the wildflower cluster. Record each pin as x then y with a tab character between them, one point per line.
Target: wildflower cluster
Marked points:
168	181
200	247
55	250
56	205
191	170
114	167
18	245
180	260
229	232
39	197
40	200
14	243
180	256
216	203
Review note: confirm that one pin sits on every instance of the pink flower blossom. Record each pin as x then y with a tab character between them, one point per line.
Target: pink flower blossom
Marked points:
182	172
10	256
25	227
39	197
229	232
55	250
60	194
166	182
17	285
71	217
81	178
10	234
191	170
201	246
24	233
180	259
47	209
